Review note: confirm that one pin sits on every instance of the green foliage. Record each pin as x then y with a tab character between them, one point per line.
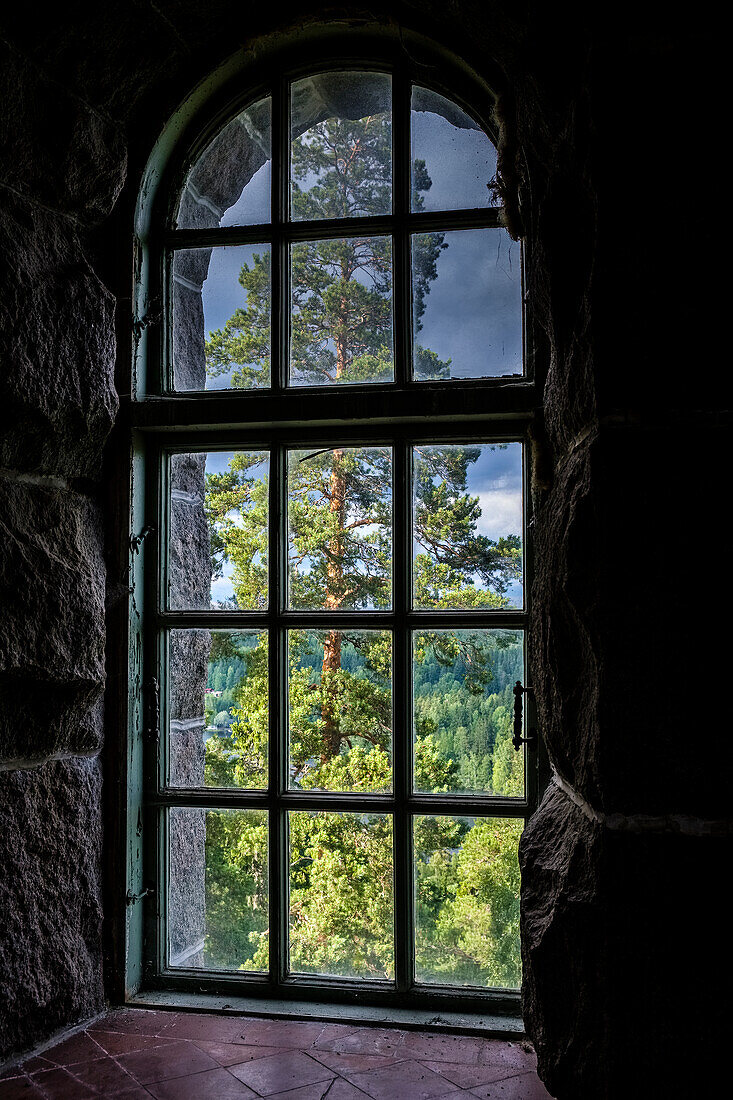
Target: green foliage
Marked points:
340	681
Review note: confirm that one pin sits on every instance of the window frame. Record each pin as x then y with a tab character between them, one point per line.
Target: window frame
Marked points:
165	421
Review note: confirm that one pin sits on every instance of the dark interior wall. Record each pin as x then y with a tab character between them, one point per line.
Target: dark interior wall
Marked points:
608	120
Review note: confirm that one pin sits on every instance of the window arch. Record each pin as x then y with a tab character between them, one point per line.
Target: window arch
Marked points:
335	456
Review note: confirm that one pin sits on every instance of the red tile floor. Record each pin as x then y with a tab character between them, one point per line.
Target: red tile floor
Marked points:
137	1054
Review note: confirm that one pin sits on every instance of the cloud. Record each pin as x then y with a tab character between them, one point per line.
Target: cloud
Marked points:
501	513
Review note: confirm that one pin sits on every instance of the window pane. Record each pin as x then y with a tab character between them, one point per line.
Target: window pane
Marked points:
341	894
463	711
467	526
341	149
340	710
341	316
453	160
340	528
218	718
218	889
221	318
230	182
466	305
218	531
467	901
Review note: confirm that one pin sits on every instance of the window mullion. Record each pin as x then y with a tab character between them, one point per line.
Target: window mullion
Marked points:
402	725
401	237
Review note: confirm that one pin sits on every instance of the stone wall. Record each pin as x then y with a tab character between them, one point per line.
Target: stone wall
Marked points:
61	170
609	142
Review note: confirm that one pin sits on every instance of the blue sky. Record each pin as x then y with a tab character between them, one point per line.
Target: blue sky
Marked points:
473	309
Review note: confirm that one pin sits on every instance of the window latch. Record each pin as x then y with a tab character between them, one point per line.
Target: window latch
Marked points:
131	898
136	541
517	740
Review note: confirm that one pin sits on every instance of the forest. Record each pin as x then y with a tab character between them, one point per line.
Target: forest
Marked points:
339	695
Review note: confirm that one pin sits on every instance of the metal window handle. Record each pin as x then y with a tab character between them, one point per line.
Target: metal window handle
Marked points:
517	740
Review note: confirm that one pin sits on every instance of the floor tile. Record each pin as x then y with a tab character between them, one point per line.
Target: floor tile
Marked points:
406	1080
344	1090
104	1074
126	1042
351	1063
224	1029
367	1040
499	1052
282	1033
59	1084
32	1065
20	1088
231	1054
311	1092
335	1031
525	1086
215	1084
468	1076
143	1021
281	1072
441	1048
174	1060
79	1048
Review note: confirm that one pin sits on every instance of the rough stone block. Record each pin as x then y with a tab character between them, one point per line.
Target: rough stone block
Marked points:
50	900
52	629
621	931
55	148
617	552
57	399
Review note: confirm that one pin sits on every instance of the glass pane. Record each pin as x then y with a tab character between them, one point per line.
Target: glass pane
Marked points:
340	710
341	146
467	526
218	695
217	556
453	160
221	318
230	182
341	894
218	889
467	901
466	305
463	711
341	312
340	528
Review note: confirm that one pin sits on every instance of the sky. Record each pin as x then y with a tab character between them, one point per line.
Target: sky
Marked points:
473	309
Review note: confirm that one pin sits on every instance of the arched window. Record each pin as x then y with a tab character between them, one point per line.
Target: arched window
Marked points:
333	427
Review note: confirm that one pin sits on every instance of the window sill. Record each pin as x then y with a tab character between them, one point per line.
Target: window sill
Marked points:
465	1023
